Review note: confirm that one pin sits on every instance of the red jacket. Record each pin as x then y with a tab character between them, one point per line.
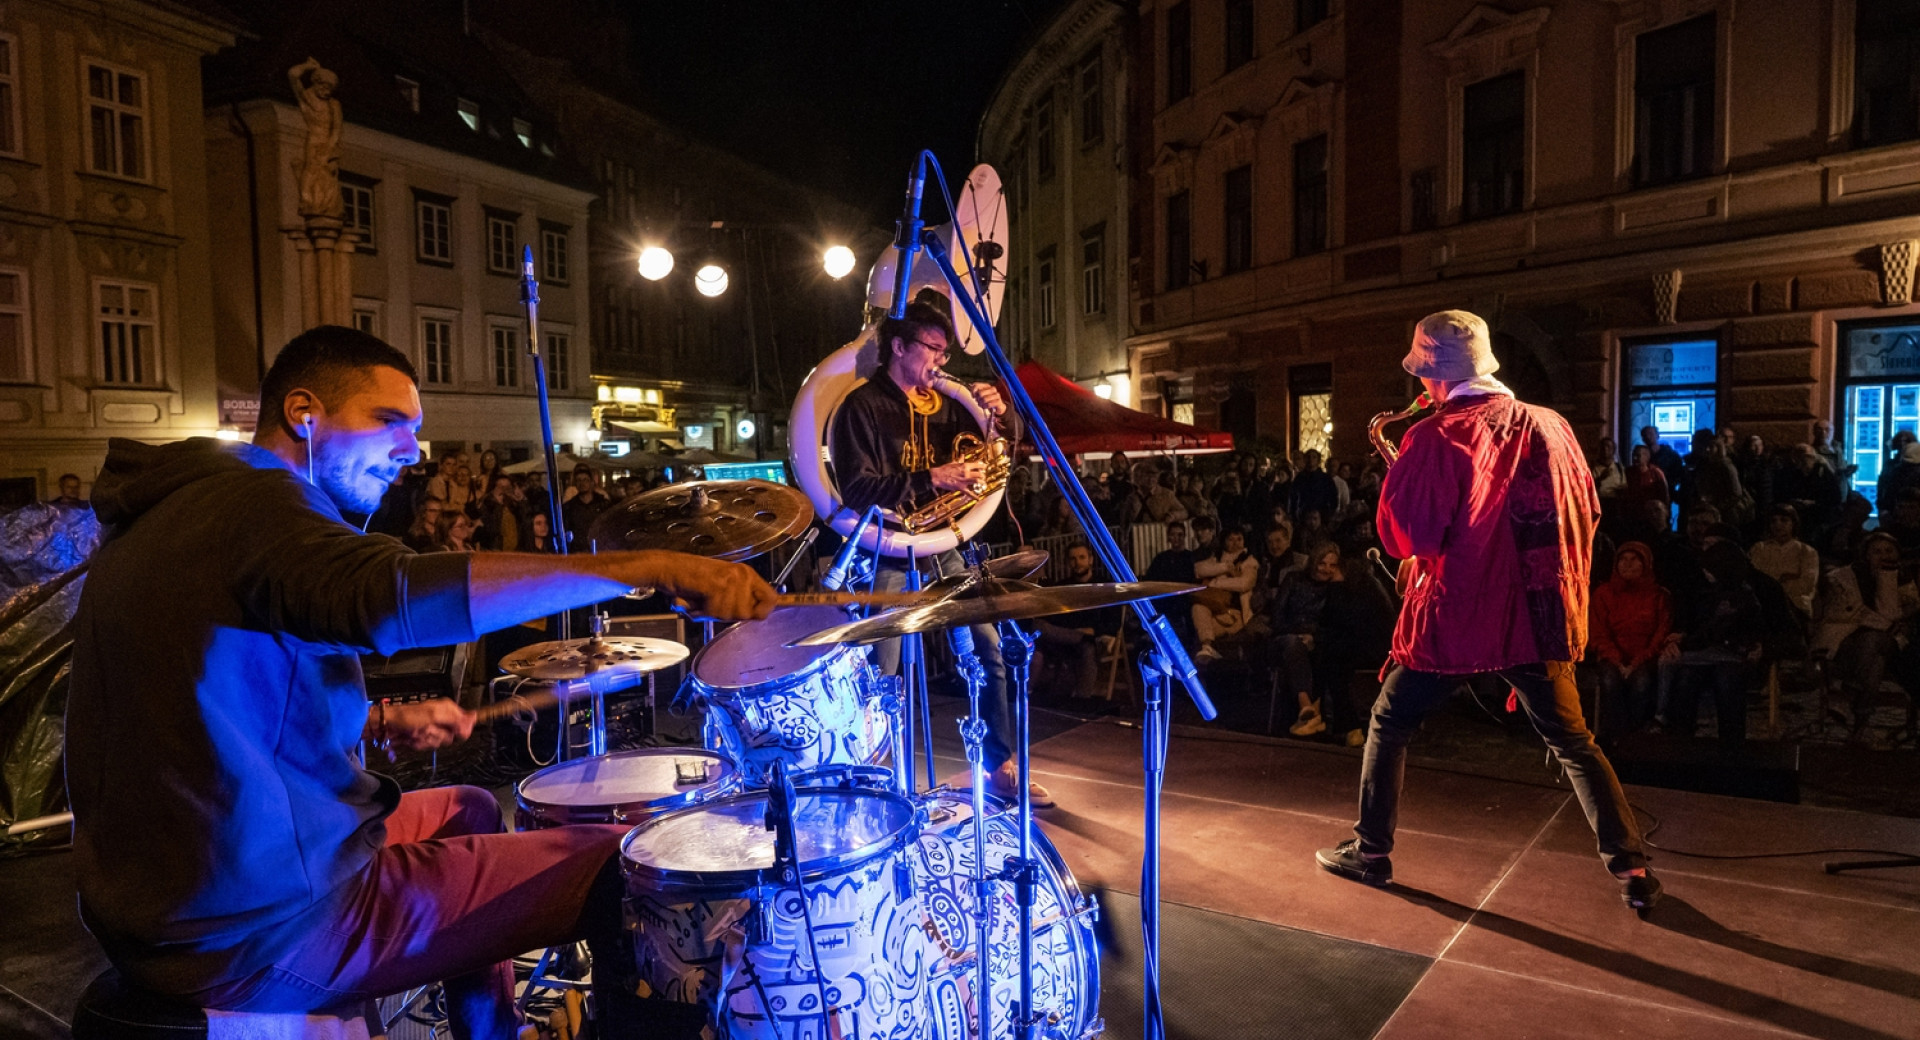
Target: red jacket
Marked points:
1496	502
1630	619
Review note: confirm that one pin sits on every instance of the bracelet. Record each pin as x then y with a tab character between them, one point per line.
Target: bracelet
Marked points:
383	741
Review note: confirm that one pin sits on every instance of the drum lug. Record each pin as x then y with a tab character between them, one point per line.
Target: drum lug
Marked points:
903	879
759	928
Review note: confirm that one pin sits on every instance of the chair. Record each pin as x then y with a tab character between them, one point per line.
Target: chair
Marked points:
111	1008
1890	692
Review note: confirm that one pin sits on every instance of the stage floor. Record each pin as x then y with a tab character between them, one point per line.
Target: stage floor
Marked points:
1501	923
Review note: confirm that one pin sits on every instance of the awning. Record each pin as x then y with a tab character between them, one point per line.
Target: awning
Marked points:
647	426
1086	425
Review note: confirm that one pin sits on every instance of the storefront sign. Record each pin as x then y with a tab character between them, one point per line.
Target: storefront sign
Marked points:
1673	364
1884	352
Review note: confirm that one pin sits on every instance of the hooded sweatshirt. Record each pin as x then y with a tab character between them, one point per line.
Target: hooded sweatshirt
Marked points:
217	700
1630	619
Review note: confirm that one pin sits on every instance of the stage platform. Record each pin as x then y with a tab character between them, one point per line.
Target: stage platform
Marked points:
1501	923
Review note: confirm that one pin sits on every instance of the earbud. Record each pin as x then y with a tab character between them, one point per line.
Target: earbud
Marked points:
306	425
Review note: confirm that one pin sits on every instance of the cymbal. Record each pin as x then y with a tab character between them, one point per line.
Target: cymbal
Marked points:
598	656
1015	567
1007	601
723	519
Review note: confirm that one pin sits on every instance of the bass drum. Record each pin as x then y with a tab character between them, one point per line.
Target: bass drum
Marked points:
806	706
1066	958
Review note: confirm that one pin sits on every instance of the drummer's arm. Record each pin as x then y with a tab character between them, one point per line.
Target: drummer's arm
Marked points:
505	589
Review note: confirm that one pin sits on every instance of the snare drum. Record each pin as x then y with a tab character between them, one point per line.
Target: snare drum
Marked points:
713	927
807	706
624	787
1066	958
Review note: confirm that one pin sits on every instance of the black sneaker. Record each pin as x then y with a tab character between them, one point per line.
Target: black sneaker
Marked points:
1640	891
1345	860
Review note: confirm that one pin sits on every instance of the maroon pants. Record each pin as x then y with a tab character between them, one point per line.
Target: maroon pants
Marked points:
449	899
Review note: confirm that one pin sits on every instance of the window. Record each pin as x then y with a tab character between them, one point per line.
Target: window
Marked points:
1179	240
116	122
1886	72
1673	102
1239	40
16	351
9	97
1093	271
1311	388
559	361
1093	108
409	92
506	356
1179	52
367	320
356	202
469	113
1423	208
1308	13
523	132
1238	194
1045	267
1043	136
1310	195
553	254
433	233
129	333
1672	386
436	350
1879	395
503	242
1493	146
1016	181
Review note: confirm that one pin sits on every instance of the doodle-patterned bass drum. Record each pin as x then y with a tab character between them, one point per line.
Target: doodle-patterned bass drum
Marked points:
1066	957
808	706
713	927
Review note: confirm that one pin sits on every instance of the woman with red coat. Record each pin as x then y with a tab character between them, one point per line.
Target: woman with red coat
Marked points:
1627	625
1492	507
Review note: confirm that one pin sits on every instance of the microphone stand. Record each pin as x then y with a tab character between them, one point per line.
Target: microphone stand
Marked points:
1166	659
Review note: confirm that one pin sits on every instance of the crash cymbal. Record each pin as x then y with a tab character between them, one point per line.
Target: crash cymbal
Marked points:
1015	567
723	519
1005	601
570	659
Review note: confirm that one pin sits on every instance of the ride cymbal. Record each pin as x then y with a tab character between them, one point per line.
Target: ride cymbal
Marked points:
1004	601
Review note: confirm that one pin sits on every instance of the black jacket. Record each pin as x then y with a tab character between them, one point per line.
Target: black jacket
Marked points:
866	440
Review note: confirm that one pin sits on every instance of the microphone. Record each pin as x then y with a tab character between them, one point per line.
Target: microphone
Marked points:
842	568
1380	562
780	803
906	237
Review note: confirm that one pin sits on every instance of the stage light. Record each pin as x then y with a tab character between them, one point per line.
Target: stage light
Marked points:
1103	391
839	261
711	280
655	263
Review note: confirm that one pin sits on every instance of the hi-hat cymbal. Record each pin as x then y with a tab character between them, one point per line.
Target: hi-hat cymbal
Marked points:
723	519
598	656
1016	567
1007	601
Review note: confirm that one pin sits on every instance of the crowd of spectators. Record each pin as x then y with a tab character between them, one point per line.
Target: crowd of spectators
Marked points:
1709	568
461	502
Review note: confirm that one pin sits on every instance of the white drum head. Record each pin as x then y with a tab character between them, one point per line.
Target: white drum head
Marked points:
732	835
636	777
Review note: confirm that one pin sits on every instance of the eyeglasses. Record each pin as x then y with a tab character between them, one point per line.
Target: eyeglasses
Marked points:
943	353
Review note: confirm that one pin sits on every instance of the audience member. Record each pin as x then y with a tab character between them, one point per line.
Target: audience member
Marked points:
69	496
1719	629
1313	488
1294	619
454	532
1075	640
583	506
1865	627
423	534
1221	608
1841	541
1609	476
1788	560
1628	620
1665	459
1805	483
503	516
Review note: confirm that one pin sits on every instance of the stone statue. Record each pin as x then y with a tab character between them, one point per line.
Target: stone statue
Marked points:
319	167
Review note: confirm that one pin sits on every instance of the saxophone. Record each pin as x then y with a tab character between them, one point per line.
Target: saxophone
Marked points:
991	451
1377	426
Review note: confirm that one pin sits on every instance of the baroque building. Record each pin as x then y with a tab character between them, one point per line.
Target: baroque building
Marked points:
104	302
1678	213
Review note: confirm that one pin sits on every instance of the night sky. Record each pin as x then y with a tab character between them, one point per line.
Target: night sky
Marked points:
837	95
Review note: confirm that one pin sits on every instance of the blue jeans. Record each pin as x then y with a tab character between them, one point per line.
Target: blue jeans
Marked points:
1552	704
892	577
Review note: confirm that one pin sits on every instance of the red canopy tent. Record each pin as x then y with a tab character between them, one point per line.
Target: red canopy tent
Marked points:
1086	425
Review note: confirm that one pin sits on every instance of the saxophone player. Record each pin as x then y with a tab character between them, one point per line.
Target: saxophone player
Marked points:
890	443
1494	501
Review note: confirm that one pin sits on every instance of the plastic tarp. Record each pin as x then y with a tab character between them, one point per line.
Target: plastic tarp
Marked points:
43	556
1084	424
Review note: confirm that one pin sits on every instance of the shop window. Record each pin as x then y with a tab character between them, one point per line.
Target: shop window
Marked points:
1672	386
1879	395
1311	387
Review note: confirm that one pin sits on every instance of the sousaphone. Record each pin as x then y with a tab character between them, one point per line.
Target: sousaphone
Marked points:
977	237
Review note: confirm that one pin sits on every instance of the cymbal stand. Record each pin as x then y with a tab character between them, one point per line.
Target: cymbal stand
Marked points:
973	733
913	668
1156	680
530	300
1016	647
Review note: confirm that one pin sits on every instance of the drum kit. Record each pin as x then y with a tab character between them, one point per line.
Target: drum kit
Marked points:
872	908
792	878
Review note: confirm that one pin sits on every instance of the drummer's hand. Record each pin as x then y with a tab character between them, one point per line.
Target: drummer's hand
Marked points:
989	397
716	589
424	725
958	476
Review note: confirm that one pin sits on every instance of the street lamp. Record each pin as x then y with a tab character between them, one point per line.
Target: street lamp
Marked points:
839	261
711	280
655	263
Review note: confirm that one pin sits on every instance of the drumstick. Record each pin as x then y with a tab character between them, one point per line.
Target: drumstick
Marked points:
514	705
851	599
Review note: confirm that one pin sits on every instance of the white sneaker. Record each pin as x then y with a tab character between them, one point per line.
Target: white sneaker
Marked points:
1207	653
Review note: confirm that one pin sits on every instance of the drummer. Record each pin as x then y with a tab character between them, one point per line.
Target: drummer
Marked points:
231	848
888	443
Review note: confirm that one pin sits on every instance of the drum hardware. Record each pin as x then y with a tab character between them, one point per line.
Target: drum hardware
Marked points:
973	734
602	663
723	519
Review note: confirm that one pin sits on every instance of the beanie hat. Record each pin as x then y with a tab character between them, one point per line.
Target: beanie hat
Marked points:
1451	346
